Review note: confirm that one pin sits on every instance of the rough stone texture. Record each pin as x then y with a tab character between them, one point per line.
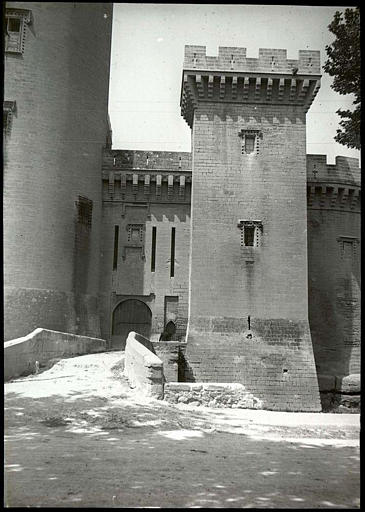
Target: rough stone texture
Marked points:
348	384
340	393
279	370
43	345
143	369
52	155
218	395
340	403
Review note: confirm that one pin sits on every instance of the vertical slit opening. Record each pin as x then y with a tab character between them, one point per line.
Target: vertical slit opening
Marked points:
153	249
172	263
116	243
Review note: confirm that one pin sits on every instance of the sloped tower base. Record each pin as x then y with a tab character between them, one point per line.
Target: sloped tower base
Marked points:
274	360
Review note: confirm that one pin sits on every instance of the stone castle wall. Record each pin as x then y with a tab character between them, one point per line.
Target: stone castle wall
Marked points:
53	155
230	283
142	191
334	264
78	251
333	205
248	309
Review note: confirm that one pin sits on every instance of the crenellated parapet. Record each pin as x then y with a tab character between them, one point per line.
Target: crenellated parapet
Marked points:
335	186
234	58
146	176
233	77
119	159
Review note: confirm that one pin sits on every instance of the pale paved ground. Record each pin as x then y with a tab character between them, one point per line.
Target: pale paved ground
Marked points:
77	436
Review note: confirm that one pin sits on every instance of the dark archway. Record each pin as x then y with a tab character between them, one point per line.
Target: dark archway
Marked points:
169	332
130	315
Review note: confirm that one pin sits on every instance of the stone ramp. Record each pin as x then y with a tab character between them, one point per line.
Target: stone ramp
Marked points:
26	355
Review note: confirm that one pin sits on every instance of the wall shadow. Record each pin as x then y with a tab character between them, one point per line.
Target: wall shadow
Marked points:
149	455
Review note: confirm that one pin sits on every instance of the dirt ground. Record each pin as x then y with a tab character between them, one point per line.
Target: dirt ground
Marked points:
77	436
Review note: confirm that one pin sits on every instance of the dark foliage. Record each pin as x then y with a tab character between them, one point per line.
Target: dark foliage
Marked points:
343	64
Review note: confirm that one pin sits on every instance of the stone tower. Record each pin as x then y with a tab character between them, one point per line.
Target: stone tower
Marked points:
57	58
334	280
248	291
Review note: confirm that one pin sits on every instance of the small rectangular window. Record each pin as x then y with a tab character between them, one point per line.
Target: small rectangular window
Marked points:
153	249
9	108
348	248
84	211
348	251
249	235
172	261
250	143
15	29
14	25
116	243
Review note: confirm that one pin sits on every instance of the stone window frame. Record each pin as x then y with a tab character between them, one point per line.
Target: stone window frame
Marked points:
15	41
258	227
139	244
9	108
348	239
250	133
140	228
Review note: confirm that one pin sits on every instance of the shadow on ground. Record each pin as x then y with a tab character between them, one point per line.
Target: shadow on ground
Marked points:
87	450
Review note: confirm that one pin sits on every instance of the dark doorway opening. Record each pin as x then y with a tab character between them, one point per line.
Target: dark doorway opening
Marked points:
130	315
169	332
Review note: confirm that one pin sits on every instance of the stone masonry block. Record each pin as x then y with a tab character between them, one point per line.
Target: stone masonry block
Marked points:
348	384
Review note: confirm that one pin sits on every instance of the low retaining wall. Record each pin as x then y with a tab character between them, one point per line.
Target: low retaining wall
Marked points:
339	393
232	395
43	345
143	369
170	354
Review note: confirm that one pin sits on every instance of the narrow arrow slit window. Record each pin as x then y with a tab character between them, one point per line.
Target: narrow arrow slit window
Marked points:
172	261
153	249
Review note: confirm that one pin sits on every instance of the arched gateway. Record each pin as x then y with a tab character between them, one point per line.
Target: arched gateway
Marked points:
130	315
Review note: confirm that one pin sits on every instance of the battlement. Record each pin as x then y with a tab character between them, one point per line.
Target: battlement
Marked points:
119	159
233	78
335	187
345	170
270	60
151	176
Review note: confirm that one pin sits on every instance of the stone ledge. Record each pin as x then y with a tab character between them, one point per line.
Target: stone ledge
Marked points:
143	369
41	346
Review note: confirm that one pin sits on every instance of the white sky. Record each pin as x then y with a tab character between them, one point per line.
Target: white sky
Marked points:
147	59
